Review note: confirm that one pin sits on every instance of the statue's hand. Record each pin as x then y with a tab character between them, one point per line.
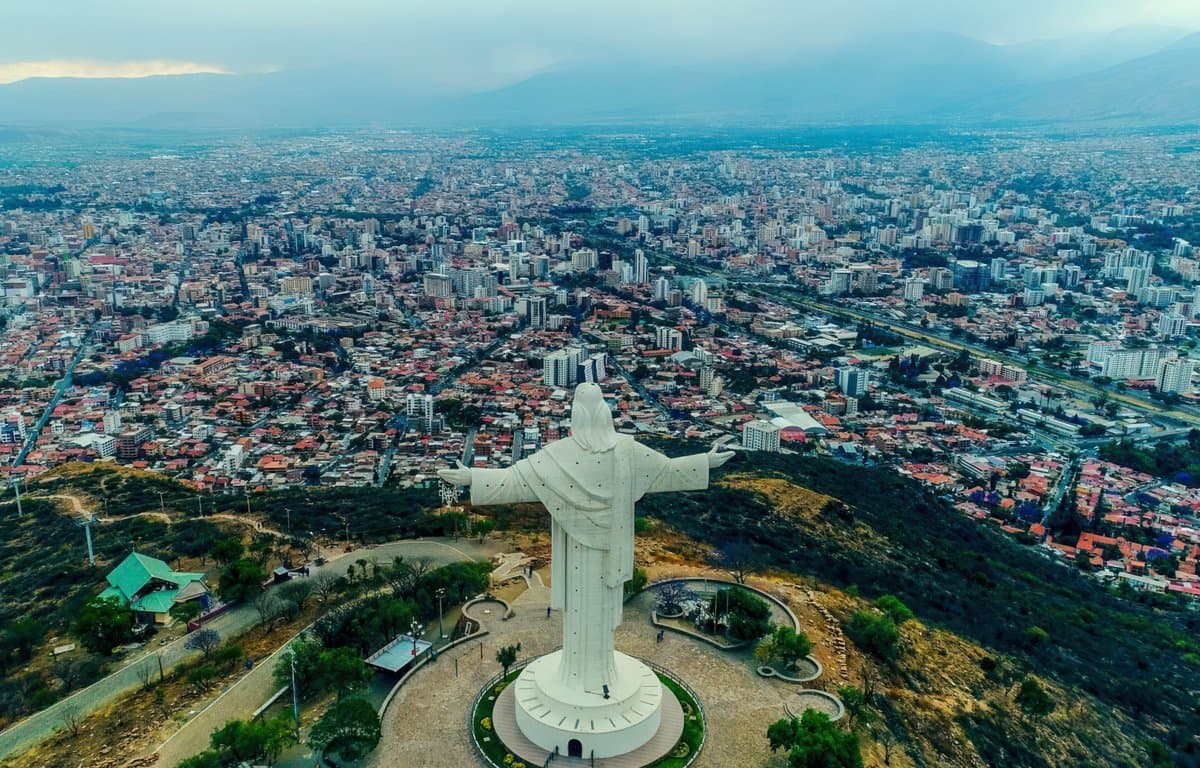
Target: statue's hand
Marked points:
460	476
717	457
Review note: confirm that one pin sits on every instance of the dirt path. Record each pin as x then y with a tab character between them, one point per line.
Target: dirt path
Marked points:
77	506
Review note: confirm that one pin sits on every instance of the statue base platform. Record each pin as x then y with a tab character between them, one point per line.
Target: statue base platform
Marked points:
586	724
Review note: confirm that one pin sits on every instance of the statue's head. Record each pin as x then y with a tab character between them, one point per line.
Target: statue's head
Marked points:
591	420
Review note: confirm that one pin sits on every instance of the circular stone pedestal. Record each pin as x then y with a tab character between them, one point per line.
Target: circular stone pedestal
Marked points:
587	723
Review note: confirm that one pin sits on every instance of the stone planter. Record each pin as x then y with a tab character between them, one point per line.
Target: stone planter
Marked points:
808	669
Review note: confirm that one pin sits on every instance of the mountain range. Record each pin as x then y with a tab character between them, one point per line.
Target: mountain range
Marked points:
1136	75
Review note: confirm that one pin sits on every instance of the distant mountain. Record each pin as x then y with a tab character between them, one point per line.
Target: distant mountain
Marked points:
1161	88
1140	74
1081	54
316	97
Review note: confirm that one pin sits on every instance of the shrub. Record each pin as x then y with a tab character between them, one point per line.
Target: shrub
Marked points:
896	610
874	633
637	583
747	615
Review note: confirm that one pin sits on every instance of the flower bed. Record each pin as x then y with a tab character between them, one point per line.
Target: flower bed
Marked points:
499	756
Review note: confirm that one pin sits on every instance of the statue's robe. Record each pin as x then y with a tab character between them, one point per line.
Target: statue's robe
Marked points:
590	497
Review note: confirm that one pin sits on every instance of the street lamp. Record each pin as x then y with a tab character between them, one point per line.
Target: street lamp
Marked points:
441	594
413	628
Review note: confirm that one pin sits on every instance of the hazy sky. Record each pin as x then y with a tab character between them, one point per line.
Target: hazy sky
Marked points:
481	43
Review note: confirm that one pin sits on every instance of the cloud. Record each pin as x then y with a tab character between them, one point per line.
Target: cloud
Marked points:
483	43
23	70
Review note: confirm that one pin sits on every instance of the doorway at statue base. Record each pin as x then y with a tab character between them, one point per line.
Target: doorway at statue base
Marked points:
639	721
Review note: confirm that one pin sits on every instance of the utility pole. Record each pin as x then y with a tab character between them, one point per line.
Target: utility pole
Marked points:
289	520
163	505
295	694
87	533
247	502
200	504
17	488
347	534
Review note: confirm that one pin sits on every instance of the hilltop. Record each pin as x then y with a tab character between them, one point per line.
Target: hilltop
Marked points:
1117	671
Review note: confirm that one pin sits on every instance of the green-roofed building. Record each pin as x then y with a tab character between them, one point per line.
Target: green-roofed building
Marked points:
151	588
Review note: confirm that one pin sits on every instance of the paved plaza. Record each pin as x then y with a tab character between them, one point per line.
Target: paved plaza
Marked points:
429	715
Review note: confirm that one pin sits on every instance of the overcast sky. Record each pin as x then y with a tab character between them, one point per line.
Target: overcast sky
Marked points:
484	43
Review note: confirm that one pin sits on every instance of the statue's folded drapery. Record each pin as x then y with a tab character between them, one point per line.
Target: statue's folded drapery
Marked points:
590	497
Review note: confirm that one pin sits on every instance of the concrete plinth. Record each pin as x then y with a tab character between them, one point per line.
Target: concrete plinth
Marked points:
588	723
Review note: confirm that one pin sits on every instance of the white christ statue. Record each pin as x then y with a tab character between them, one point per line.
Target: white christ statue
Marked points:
589	483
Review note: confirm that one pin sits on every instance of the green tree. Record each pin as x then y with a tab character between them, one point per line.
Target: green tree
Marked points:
320	669
342	670
483	528
1033	699
102	624
186	611
261	740
857	708
813	741
227	550
350	729
1035	636
19	639
201	678
206	759
789	646
241	580
297	591
507	656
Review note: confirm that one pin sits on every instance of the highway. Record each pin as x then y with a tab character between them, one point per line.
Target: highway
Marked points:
909	330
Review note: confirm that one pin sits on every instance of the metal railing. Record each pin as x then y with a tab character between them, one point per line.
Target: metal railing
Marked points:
483	691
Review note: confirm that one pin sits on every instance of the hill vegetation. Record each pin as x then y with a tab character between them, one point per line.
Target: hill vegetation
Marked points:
1008	657
872	532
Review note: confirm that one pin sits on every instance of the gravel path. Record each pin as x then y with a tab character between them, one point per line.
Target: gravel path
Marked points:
429	715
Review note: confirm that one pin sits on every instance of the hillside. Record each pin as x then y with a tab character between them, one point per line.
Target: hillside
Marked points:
878	533
1116	671
45	577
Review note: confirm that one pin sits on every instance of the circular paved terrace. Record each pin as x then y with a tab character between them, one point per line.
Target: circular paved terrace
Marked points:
429	713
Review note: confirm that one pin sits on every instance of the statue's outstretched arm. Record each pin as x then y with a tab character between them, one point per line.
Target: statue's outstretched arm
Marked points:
687	473
500	486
